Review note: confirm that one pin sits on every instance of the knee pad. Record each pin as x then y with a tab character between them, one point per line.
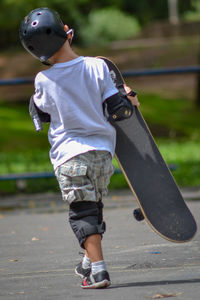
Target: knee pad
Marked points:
86	218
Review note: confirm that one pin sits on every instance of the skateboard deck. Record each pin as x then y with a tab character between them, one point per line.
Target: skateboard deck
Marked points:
148	176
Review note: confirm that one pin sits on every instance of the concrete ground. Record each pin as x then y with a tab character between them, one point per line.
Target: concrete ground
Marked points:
38	253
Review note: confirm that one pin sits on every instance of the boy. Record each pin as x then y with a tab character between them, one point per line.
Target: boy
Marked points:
75	94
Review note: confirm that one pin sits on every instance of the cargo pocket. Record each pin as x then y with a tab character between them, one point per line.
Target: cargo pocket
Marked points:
73	170
72	179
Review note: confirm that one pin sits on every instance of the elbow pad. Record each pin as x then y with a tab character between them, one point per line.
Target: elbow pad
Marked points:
37	115
119	107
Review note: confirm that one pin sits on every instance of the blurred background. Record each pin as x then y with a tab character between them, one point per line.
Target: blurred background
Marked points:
136	35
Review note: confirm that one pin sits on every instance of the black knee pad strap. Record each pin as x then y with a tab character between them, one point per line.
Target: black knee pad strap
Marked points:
86	219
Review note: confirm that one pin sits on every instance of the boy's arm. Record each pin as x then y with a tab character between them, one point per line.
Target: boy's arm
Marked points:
120	106
37	115
132	95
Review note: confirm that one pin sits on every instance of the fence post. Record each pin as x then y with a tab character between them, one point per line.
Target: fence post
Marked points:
197	100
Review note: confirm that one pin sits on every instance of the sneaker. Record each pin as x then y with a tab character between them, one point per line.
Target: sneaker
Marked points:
96	281
80	271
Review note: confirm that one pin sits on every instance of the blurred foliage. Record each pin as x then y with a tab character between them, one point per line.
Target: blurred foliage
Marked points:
194	13
75	12
108	24
149	10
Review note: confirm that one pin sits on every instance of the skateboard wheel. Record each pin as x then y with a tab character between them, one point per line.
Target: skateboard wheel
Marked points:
138	215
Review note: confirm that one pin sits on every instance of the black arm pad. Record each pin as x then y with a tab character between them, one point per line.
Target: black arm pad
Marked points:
119	107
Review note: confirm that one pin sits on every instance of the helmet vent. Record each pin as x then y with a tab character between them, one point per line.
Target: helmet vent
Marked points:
48	31
34	23
39	13
31	48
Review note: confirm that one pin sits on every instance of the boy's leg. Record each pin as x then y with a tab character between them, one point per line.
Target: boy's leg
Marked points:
86	217
93	254
88	226
85	223
93	247
93	250
99	277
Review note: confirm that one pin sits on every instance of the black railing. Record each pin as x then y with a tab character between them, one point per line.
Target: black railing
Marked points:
129	73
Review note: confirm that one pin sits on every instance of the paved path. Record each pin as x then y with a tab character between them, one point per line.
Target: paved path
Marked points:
53	202
38	253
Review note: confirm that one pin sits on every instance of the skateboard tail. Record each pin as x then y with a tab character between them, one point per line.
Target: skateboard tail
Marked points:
181	233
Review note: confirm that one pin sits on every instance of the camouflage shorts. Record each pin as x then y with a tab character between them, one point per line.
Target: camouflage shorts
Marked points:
85	177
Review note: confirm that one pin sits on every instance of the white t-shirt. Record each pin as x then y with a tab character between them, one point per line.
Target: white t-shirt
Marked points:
73	93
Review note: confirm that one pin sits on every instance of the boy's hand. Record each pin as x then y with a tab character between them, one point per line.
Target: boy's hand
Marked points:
133	99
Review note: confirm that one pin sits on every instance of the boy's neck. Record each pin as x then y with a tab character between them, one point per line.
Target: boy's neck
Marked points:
64	54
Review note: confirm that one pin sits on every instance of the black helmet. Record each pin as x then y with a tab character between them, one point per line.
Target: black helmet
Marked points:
42	33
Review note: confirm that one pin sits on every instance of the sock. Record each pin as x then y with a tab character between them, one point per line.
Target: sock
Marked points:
98	266
86	262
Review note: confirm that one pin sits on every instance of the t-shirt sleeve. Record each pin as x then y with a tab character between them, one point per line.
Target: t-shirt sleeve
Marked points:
108	87
40	97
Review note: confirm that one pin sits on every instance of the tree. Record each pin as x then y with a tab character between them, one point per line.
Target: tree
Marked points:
173	11
75	12
107	25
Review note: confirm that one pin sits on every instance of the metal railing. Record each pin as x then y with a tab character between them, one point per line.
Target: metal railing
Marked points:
162	71
129	73
39	175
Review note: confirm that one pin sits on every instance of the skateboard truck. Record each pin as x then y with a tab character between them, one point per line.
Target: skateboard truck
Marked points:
138	215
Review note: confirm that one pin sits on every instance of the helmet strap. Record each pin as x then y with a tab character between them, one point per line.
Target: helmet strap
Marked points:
70	31
46	63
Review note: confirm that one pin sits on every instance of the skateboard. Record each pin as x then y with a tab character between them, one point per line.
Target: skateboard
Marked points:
148	176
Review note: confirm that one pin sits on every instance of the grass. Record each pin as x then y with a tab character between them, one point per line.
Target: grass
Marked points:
177	118
17	132
186	155
174	123
183	156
